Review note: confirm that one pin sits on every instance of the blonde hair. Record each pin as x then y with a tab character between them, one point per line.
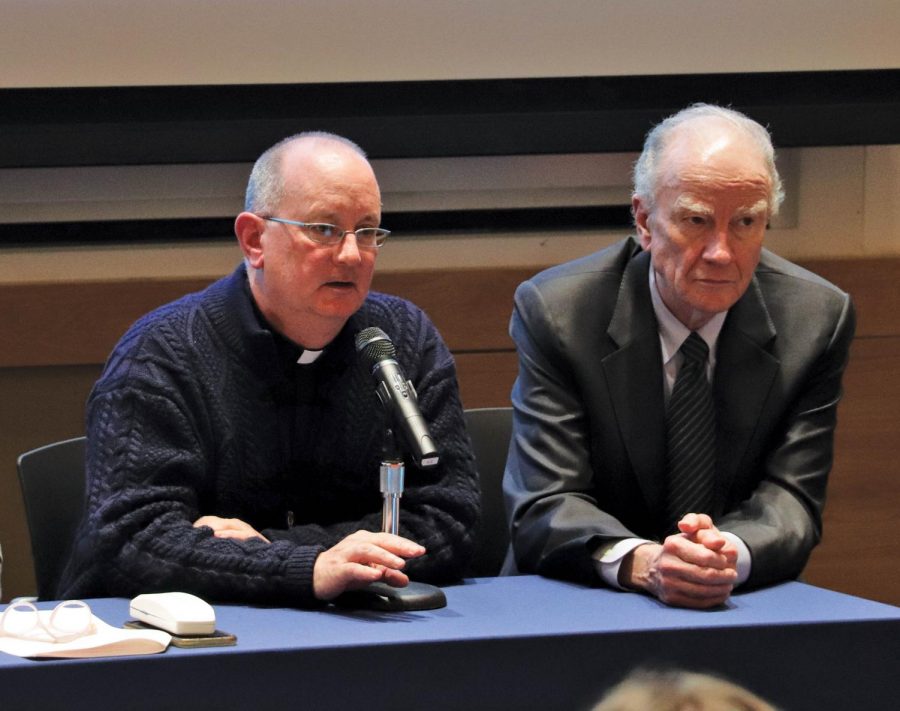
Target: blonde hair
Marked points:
647	690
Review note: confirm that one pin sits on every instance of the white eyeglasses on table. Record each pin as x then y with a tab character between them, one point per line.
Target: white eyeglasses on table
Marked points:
68	621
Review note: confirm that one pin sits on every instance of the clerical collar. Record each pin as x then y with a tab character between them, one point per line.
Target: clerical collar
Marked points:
307	357
288	351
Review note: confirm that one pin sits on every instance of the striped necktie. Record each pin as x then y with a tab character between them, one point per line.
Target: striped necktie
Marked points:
691	436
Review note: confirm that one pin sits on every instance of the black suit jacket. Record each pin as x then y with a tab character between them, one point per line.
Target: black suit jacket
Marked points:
587	458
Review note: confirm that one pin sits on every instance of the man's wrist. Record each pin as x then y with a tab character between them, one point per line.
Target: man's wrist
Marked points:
633	569
609	556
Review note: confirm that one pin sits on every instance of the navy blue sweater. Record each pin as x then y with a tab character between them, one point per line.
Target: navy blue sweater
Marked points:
202	410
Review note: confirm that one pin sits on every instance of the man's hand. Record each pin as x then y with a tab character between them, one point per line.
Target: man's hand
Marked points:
694	568
699	528
361	558
229	528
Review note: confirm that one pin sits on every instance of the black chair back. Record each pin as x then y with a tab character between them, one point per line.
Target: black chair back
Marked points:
52	481
490	429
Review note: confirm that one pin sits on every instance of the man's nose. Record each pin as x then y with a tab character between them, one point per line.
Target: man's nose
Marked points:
718	247
347	251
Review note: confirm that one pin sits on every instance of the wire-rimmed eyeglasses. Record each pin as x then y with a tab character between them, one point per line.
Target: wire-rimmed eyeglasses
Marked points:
330	235
67	622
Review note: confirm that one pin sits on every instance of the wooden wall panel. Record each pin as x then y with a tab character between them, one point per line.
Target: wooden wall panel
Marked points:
76	323
859	549
471	307
485	379
37	406
874	285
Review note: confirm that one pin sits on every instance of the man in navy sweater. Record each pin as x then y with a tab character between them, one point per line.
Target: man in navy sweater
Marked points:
234	441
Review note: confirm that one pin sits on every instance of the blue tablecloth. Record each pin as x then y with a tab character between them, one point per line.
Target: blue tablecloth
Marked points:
521	642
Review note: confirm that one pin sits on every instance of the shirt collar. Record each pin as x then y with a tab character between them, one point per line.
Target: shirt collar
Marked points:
672	333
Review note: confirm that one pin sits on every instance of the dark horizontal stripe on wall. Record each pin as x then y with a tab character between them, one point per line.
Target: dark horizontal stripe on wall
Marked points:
115	231
234	123
548	219
552	219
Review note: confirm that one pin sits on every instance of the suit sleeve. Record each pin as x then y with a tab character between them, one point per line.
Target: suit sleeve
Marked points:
781	520
555	519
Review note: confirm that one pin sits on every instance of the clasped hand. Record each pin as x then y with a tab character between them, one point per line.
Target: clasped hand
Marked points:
696	567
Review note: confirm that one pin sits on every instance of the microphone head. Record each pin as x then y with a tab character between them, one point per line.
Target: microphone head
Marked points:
373	345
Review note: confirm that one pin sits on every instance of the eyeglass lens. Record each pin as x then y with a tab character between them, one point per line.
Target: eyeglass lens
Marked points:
68	620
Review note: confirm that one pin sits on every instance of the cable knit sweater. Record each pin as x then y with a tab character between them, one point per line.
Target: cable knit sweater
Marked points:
202	410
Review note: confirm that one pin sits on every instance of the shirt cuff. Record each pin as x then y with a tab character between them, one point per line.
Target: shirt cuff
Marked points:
744	561
608	559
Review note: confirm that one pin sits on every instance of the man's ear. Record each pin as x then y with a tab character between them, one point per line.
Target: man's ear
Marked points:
641	218
248	229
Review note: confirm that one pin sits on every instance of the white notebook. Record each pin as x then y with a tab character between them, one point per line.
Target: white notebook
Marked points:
104	641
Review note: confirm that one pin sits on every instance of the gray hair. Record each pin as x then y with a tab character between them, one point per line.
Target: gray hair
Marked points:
646	169
265	188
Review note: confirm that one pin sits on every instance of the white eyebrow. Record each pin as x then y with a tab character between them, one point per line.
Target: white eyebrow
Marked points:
686	202
761	205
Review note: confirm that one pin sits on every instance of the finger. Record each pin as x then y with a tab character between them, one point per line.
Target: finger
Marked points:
213	522
697	597
395	578
711	539
730	551
390	542
352	576
332	575
693	553
676	580
677	583
241	534
693	522
677	571
371	554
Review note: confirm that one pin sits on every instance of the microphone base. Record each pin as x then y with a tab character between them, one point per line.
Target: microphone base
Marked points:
381	596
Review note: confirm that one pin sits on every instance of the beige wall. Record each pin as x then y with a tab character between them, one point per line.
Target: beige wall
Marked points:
115	43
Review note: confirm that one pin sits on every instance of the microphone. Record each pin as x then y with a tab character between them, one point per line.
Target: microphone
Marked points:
396	393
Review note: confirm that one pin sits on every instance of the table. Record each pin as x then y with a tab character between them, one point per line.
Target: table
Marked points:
520	643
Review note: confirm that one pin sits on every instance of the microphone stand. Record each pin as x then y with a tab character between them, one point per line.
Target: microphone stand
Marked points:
380	595
391	479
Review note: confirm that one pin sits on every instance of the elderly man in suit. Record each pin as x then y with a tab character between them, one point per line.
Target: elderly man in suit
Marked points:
620	474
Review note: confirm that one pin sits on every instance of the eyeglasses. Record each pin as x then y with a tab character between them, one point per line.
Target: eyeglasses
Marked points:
330	235
68	621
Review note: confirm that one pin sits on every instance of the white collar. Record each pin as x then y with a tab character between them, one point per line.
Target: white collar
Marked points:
307	357
672	333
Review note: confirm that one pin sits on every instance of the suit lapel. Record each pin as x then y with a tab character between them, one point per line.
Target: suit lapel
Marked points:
745	372
633	375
